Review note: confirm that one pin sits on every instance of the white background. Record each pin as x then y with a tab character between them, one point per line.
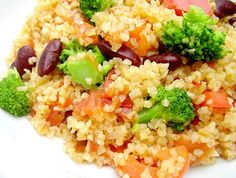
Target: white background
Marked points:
25	154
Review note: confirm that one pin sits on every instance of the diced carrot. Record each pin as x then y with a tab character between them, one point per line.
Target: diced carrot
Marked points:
136	32
67	103
142	46
81	145
93	146
134	168
55	118
195	146
216	100
181	151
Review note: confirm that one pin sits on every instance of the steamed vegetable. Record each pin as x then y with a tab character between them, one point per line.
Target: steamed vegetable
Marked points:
82	64
90	7
14	99
173	106
195	38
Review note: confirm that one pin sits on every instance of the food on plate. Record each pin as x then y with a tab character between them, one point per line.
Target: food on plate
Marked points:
144	86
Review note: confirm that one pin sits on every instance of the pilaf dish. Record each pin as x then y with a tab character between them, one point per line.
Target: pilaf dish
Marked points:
145	86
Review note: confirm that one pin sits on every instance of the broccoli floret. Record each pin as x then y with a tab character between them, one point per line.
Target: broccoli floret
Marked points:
83	64
72	48
90	7
196	38
13	99
173	106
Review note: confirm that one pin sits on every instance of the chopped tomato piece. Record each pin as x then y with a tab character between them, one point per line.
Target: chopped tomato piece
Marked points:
93	104
181	6
134	168
217	100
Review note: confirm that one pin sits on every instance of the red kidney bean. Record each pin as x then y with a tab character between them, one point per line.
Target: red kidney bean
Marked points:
22	59
124	52
66	115
174	60
232	21
50	57
224	8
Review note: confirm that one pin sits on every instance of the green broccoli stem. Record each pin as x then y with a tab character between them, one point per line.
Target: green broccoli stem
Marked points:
106	68
147	115
84	72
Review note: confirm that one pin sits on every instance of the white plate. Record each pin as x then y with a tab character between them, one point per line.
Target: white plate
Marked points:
25	154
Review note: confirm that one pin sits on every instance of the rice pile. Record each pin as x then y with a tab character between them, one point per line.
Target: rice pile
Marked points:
89	140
